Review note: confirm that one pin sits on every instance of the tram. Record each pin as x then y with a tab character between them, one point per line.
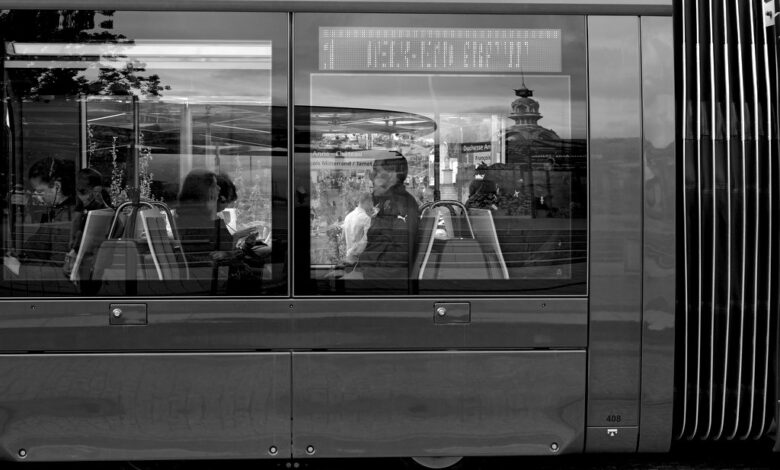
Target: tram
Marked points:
252	229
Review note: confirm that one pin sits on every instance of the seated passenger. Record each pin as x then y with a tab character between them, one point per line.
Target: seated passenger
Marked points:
391	240
91	196
225	199
483	192
52	209
204	236
356	225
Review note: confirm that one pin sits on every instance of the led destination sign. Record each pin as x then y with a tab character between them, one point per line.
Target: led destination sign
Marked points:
439	49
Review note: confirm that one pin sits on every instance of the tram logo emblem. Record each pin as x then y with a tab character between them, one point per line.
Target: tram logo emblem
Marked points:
612	432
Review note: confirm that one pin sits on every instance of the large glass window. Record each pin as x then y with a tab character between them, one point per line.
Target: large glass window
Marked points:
144	153
440	154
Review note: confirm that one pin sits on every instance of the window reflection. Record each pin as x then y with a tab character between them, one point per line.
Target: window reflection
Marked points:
174	137
496	166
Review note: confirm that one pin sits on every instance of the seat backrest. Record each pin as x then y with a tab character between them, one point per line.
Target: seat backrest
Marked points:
457	258
425	235
485	232
162	248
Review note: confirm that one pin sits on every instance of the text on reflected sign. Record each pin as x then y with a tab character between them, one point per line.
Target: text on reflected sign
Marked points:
439	49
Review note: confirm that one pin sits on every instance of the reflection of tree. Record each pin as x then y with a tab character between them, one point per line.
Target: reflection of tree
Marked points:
71	26
58	84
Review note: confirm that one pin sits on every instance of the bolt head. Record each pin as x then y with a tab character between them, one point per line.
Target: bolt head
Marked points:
117	312
273	450
310	450
22	453
554	447
441	311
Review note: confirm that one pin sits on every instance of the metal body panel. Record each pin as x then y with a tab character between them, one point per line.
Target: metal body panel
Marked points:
579	7
220	325
145	406
616	222
658	273
438	404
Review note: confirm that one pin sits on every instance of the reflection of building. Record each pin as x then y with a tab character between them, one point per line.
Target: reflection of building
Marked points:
526	137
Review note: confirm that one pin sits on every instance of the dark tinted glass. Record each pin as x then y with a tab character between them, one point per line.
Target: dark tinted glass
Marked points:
144	153
440	154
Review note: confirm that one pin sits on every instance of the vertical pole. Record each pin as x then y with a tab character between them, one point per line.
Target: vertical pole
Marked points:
136	188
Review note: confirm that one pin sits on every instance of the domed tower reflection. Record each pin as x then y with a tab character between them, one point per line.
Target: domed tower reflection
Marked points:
527	138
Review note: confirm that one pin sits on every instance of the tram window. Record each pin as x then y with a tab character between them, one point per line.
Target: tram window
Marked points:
144	153
440	155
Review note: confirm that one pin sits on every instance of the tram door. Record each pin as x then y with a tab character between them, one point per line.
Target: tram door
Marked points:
442	168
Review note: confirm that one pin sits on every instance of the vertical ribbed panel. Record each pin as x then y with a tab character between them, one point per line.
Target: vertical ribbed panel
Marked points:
731	177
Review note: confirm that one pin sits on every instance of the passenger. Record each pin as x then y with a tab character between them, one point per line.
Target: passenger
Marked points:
227	192
356	225
390	242
91	196
204	236
483	192
52	208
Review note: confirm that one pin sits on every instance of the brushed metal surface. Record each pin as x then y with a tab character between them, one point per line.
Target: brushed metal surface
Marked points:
616	221
219	325
659	217
144	406
438	403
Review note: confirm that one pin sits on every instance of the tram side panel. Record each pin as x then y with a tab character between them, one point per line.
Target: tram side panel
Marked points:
614	342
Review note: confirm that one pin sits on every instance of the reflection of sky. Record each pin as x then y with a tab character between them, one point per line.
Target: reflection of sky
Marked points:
180	25
446	94
198	25
658	80
205	83
251	85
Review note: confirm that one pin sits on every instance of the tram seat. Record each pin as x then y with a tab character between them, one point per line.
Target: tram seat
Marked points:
449	248
149	256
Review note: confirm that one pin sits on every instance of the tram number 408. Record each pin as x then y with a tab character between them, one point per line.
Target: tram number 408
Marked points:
614	418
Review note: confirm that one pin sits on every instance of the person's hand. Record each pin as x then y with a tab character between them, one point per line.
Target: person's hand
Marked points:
225	255
70	260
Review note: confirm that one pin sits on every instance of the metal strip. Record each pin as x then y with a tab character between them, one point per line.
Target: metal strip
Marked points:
741	102
754	78
699	218
769	127
713	257
575	7
683	124
727	101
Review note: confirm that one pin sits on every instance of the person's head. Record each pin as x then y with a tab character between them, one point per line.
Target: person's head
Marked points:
89	185
388	172
366	202
227	192
200	189
52	180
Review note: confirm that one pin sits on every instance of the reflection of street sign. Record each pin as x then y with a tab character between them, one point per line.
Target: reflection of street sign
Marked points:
475	147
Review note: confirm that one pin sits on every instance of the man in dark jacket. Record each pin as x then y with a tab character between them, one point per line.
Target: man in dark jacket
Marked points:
391	240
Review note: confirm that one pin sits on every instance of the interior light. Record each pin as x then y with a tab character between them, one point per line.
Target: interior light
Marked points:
142	48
